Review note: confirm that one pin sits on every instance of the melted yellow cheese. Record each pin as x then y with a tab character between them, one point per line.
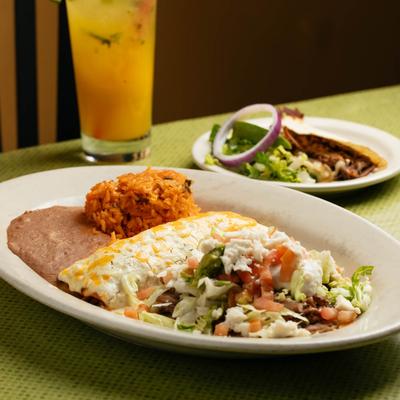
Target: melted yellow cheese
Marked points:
146	254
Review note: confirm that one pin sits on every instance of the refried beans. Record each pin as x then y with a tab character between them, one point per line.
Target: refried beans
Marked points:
51	239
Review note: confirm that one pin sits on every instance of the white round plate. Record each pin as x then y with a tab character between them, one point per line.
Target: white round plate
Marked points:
383	143
316	223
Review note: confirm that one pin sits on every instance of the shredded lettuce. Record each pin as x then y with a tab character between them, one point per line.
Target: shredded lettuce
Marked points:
282	295
186	327
213	288
322	292
204	322
211	160
296	285
236	146
254	313
156	319
340	286
361	273
327	263
340	291
186	305
250	171
357	290
276	163
272	164
130	285
361	288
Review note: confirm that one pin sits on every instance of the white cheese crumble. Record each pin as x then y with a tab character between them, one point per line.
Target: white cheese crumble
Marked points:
216	314
277	238
210	289
235	255
283	329
208	244
235	318
342	304
240	253
312	276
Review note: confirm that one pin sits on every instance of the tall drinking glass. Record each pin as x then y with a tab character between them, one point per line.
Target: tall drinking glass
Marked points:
113	54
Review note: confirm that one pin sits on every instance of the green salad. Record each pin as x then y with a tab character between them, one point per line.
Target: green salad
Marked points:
279	162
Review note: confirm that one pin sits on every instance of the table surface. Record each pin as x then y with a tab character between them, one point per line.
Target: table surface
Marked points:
47	355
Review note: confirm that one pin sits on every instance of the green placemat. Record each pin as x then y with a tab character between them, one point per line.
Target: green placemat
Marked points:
46	355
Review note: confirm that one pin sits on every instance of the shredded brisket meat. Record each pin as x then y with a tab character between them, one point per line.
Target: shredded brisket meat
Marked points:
170	299
310	309
321	327
330	152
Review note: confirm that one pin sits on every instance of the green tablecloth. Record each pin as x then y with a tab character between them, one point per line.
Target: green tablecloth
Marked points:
47	355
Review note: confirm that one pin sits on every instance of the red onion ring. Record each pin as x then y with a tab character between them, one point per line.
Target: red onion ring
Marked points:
270	137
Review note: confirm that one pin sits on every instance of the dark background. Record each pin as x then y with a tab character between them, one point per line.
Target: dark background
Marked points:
215	56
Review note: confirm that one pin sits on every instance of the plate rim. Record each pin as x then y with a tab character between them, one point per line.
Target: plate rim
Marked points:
180	341
320	188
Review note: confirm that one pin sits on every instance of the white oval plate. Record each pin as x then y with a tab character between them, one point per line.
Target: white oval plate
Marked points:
386	145
316	223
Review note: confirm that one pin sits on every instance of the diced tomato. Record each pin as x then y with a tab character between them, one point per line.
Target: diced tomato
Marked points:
288	265
131	313
345	317
328	313
268	294
253	287
143	294
255	269
245	276
270	259
274	256
192	262
266	278
264	303
281	250
221	329
255	325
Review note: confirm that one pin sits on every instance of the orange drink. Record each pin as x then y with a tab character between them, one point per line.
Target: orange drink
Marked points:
113	53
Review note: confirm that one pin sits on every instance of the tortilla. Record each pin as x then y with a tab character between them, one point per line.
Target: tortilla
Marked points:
347	160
